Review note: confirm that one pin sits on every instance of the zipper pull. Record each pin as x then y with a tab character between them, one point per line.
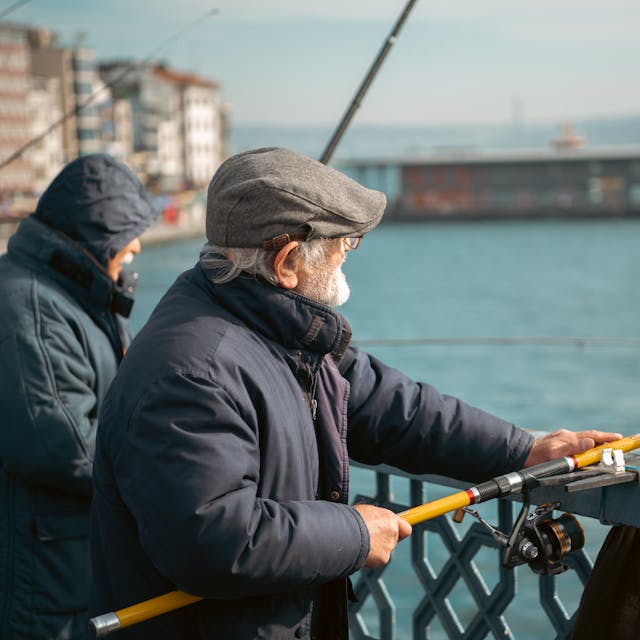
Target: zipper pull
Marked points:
312	395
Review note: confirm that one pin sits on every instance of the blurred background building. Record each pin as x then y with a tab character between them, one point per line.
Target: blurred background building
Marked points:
15	127
58	102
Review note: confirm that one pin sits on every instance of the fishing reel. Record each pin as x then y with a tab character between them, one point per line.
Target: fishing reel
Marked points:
538	539
542	541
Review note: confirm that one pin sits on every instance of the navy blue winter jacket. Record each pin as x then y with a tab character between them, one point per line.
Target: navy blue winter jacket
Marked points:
60	345
212	476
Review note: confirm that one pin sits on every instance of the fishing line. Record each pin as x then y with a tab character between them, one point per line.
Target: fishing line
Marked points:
515	341
12	8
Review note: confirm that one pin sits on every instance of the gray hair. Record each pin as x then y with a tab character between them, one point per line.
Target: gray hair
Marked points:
223	264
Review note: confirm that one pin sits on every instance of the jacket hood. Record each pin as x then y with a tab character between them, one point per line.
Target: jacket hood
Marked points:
98	202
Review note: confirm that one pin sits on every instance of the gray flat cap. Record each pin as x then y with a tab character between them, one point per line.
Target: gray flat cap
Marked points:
266	197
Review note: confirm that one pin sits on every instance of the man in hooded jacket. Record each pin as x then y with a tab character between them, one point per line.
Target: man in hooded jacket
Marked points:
62	336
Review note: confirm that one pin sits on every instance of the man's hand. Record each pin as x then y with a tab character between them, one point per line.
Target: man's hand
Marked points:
386	529
566	443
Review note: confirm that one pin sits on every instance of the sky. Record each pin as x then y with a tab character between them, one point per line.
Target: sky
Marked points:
300	62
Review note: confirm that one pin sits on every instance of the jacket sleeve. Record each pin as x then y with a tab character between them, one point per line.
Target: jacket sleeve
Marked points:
188	469
47	403
410	425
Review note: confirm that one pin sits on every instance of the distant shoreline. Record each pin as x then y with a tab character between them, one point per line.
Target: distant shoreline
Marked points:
159	233
164	233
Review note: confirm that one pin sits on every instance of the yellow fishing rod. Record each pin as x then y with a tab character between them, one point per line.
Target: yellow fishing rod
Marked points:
500	486
514	482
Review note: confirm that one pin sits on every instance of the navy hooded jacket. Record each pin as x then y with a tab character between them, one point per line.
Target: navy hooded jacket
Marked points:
60	344
222	461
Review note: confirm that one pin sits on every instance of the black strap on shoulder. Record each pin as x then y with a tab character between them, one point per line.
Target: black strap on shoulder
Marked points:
121	303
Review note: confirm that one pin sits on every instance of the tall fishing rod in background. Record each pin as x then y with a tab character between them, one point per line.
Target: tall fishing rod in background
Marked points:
115	81
364	86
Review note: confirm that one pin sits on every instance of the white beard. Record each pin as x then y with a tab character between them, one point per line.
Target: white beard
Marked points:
326	287
338	289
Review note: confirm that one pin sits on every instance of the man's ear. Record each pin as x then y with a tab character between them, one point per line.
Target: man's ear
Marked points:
285	266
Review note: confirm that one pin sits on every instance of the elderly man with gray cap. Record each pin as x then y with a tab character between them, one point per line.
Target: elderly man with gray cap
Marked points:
222	463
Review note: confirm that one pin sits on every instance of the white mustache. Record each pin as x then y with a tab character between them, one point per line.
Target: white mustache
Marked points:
127	258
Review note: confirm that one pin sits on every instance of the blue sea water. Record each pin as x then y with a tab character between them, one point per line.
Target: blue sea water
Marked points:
471	281
375	140
520	279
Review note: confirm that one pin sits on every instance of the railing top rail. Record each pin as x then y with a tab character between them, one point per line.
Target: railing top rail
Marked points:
615	503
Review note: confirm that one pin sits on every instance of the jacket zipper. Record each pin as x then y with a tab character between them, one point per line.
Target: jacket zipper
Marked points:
313	403
309	382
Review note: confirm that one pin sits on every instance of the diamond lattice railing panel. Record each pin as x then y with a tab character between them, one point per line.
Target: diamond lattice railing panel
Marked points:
455	596
371	586
459	569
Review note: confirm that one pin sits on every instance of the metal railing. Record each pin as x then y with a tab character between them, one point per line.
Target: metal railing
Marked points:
447	567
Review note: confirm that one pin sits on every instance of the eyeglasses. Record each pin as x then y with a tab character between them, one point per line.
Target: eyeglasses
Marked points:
352	243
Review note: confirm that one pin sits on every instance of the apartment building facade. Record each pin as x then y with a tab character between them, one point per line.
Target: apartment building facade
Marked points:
179	122
57	103
16	178
51	61
46	155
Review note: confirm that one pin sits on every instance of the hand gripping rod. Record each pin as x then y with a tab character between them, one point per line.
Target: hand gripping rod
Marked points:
497	487
514	482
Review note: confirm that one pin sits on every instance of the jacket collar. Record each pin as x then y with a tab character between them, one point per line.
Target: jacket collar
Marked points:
48	251
294	321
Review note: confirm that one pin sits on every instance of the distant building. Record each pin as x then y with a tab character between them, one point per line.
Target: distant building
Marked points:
154	108
202	125
178	120
49	61
75	70
56	104
123	127
47	154
114	122
116	127
16	178
567	182
86	84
